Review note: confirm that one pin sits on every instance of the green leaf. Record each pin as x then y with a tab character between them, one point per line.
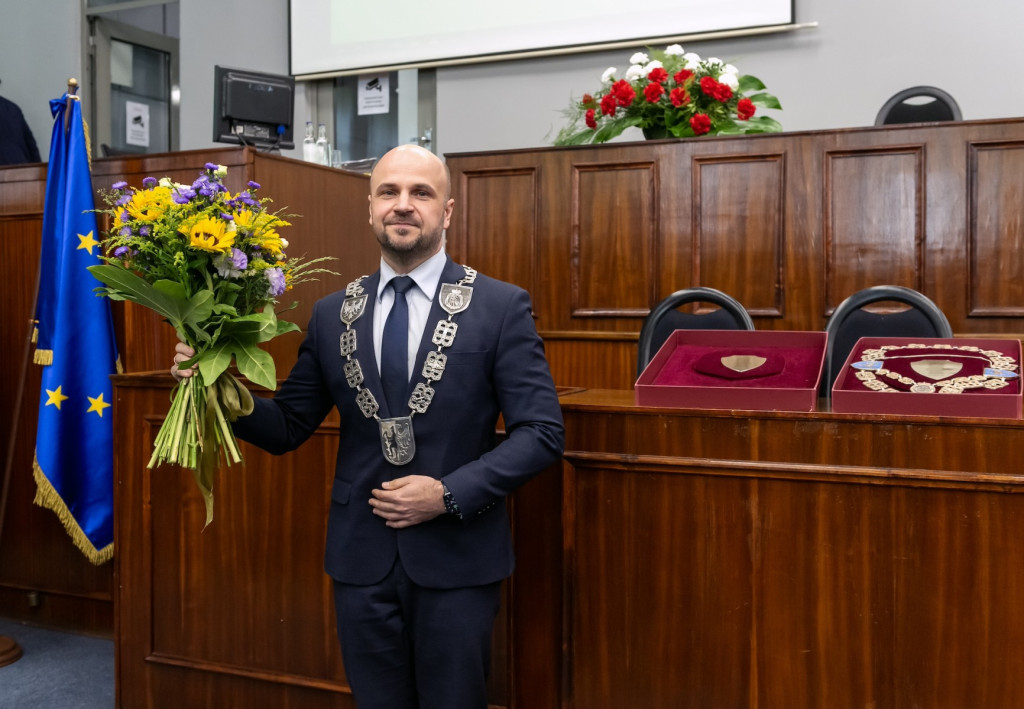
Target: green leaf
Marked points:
750	83
256	365
131	287
765	100
214	361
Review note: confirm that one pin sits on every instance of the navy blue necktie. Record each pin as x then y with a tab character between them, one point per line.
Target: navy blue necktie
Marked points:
394	349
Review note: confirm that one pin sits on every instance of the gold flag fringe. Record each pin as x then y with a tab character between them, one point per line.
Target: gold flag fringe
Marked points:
43	357
46	496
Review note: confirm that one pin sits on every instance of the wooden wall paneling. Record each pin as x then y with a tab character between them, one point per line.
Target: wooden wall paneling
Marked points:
874	210
498	214
614	232
995	257
738	228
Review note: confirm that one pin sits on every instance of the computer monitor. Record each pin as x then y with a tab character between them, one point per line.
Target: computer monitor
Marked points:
253	108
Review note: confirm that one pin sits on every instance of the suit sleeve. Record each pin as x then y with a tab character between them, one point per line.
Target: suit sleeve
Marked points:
282	423
531	412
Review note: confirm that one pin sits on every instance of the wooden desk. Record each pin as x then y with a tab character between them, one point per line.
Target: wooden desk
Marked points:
676	559
741	559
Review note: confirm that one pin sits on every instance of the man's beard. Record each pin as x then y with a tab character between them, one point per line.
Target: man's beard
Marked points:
425	244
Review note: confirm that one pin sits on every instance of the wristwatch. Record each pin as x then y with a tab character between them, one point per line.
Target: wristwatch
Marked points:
450	505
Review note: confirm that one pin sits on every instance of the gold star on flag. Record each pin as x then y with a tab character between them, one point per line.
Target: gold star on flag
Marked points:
55	398
97	405
87	242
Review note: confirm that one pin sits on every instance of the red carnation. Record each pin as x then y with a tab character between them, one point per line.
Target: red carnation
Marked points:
723	92
679	97
700	123
682	75
652	92
624	93
591	121
588	100
708	85
658	75
745	109
608	105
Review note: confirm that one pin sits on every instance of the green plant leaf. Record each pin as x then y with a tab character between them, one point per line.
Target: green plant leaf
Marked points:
133	288
256	365
765	100
214	361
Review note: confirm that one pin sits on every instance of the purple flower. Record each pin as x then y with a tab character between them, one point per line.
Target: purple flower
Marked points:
211	166
120	251
120	185
227	217
125	216
275	276
123	200
144	230
254	185
149	182
231	264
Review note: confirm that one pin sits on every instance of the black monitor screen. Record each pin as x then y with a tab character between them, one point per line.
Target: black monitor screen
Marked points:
253	108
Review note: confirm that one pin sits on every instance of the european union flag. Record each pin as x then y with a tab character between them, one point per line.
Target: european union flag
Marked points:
75	341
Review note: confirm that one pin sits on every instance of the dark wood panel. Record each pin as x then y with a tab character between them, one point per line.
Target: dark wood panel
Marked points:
501	238
615	227
738	229
875	220
996	256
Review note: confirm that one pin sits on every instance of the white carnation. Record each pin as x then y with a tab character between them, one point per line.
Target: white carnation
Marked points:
634	72
639	58
674	50
651	66
730	80
692	60
730	69
608	75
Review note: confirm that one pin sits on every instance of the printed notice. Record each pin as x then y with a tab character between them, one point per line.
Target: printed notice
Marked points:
374	95
136	123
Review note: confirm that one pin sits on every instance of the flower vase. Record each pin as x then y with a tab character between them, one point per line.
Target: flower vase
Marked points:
656	133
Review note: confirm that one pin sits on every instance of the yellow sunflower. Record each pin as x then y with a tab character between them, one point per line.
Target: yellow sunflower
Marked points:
210	235
149	205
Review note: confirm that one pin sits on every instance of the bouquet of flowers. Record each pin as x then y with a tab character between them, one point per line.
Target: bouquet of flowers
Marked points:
674	94
213	265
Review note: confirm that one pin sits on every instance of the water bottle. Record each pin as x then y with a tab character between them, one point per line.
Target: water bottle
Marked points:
309	145
323	152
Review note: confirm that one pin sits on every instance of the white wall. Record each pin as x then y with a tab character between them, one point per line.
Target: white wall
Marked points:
835	76
40	49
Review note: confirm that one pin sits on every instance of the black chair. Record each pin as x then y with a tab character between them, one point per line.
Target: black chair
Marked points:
665	319
904	107
849	323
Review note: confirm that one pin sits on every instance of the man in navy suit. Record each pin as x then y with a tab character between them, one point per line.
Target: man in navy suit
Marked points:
418	538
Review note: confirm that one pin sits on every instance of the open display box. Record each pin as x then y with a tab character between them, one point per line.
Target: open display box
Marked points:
754	370
931	377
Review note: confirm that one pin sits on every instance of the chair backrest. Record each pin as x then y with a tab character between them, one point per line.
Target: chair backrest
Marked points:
849	323
903	108
665	319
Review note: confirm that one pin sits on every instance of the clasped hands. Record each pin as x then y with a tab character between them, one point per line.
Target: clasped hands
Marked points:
402	502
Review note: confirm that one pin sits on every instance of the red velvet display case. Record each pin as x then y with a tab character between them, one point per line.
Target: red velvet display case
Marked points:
735	369
923	376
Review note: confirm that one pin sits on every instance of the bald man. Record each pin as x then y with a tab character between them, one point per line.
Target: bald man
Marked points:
418	538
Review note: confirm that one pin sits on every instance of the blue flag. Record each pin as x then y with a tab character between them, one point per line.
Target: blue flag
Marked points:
74	463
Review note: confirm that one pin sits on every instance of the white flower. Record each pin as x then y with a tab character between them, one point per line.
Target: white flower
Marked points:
608	75
712	61
638	58
730	69
166	182
221	171
634	72
730	80
674	50
284	243
692	60
652	66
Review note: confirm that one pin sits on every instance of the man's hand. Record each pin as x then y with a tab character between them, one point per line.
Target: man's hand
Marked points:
406	501
183	353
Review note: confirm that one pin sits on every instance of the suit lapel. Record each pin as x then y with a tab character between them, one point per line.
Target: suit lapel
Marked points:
452	273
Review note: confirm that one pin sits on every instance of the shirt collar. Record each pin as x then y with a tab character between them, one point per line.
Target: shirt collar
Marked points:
426	276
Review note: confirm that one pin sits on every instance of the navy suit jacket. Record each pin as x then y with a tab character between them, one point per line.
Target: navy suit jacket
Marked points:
496	365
